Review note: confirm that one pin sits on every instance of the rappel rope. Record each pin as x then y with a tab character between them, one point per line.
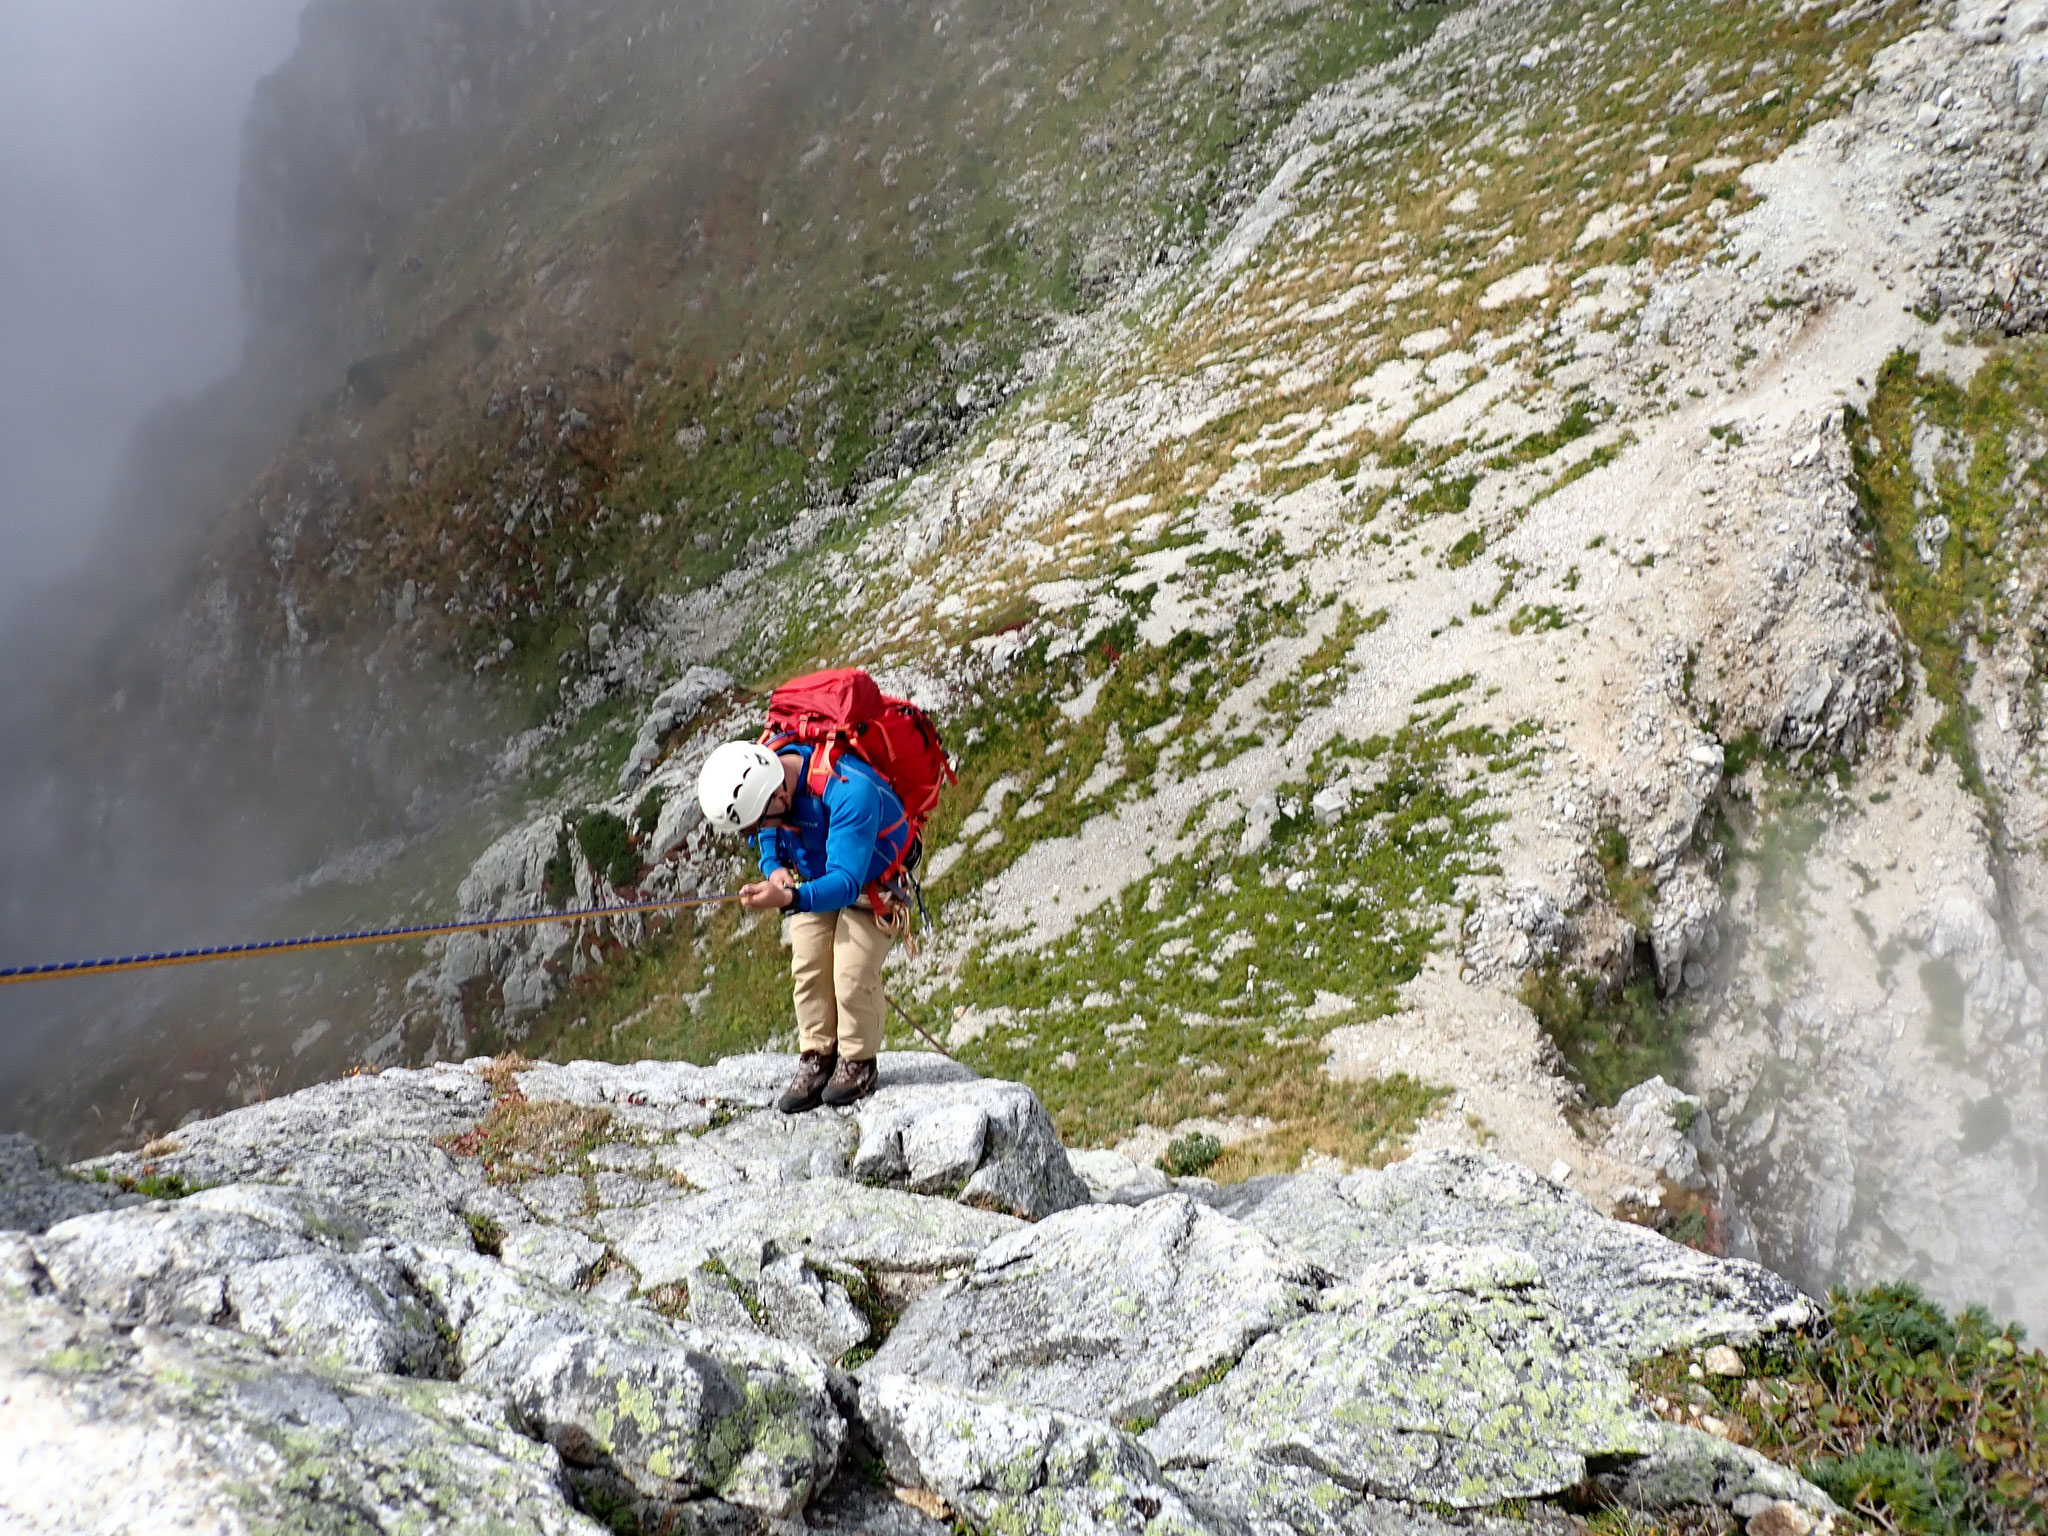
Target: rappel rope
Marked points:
904	1014
58	970
61	969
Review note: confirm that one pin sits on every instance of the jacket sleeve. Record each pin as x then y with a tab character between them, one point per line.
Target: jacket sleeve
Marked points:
768	849
853	824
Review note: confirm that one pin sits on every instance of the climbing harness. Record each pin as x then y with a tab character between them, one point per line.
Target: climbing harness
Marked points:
62	969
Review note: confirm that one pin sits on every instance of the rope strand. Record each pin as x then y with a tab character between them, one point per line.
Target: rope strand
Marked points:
65	969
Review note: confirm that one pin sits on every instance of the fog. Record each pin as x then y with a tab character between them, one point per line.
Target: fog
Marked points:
120	160
120	140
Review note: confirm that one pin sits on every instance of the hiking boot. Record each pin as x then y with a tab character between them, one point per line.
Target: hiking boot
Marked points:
813	1071
853	1081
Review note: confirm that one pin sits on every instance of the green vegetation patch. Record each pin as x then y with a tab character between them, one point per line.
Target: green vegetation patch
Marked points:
607	842
1321	674
1952	479
151	1184
1613	1032
519	1139
1611	1035
1186	996
1633	891
1185	1156
1913	1420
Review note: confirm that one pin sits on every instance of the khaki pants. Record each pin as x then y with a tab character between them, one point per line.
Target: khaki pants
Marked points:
835	961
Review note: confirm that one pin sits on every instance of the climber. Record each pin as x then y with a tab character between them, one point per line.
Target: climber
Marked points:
822	851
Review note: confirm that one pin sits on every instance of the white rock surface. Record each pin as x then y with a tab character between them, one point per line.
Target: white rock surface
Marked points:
303	1335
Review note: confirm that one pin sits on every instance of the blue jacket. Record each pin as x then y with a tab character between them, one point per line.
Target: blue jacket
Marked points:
840	842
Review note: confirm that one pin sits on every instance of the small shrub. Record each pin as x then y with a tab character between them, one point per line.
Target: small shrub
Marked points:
558	875
647	814
1466	550
1611	1037
1913	1420
1191	1154
607	843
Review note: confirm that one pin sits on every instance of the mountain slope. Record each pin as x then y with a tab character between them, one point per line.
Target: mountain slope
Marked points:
1458	625
1473	559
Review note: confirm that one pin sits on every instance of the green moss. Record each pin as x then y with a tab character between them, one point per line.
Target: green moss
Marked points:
861	1289
1465	550
486	1235
154	1185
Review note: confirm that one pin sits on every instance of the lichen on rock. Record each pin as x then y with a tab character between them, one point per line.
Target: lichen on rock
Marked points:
1443	1376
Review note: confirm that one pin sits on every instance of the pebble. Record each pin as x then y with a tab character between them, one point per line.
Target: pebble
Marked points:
1722	1361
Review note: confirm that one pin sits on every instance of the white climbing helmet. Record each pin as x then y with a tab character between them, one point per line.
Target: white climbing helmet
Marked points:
736	783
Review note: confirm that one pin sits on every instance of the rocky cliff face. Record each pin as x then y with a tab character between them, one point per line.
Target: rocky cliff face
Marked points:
572	1298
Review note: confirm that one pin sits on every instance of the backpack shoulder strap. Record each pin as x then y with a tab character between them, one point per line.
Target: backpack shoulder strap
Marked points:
823	757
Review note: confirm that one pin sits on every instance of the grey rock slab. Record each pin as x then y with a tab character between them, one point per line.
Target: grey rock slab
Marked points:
555	1197
36	1193
614	1190
1627	1290
1688	1466
1109	1311
556	1254
625	1157
1281	1499
989	1143
1010	1467
832	1220
1444	1376
764	1147
808	1309
189	1262
365	1143
678	1412
1112	1177
356	1312
716	1301
153	1432
296	1212
692	1165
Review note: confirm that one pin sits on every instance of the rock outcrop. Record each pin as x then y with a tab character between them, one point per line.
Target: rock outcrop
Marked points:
497	1296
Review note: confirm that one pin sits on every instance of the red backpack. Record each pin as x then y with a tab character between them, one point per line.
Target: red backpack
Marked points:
843	708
